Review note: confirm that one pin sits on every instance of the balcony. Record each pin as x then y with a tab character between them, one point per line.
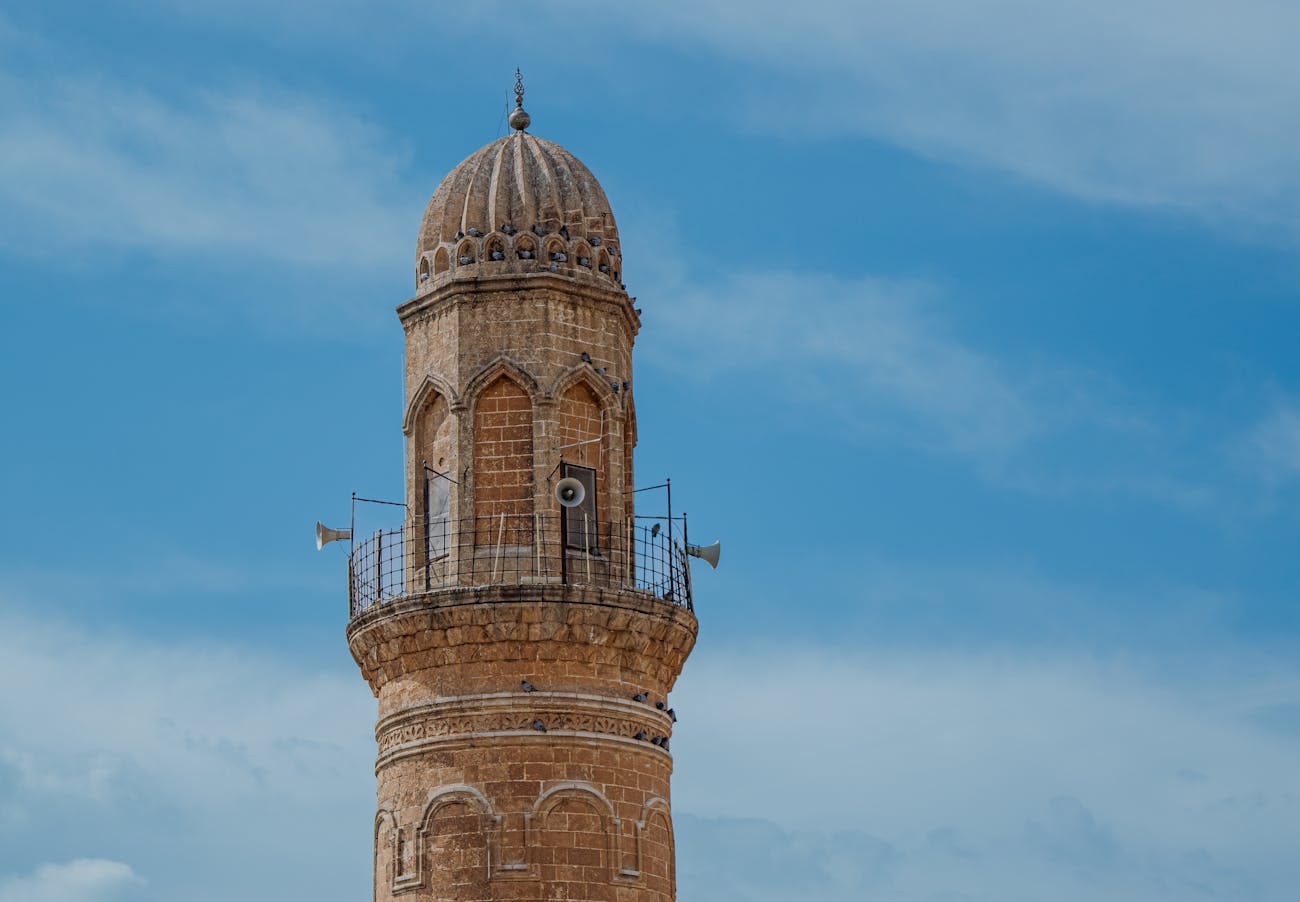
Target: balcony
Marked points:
429	556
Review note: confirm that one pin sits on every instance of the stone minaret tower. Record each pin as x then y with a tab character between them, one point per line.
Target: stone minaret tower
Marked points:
521	651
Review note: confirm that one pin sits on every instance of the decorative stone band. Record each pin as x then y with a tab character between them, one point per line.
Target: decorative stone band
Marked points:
496	715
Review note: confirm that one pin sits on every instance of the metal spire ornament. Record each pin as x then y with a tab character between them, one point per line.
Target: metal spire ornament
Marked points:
519	120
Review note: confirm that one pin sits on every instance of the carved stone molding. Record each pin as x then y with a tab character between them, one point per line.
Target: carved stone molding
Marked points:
514	713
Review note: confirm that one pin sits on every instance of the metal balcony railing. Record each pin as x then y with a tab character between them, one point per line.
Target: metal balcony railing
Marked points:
517	549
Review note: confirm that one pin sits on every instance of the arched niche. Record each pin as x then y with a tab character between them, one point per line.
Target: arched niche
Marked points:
455	843
466	252
573	835
502	460
556	251
385	854
656	849
582	254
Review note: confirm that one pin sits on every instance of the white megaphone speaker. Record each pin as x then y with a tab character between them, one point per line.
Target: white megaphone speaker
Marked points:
707	553
325	535
570	492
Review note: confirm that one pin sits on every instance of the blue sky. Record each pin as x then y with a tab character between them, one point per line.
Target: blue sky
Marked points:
971	331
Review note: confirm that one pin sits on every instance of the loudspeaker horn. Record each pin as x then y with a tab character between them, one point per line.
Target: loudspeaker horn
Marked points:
707	553
325	535
570	492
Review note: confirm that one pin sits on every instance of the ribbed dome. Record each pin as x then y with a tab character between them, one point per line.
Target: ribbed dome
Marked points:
524	204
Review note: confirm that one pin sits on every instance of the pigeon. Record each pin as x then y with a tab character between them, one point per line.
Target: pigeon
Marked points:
640	696
654	530
658	740
528	687
664	745
640	735
660	705
539	726
673	715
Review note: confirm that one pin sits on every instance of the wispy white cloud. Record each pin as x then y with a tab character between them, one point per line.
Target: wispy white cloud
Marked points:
1272	447
81	880
1170	105
922	775
1179	105
888	357
851	344
913	773
252	173
122	743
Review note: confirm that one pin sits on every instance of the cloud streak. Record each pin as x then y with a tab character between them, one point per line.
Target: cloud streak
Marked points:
257	175
1170	105
82	880
887	357
915	774
925	775
1272	446
843	341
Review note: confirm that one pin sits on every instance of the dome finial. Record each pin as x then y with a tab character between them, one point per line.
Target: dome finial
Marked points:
519	120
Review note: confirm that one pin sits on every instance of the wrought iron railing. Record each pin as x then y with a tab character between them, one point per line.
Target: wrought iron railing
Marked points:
517	549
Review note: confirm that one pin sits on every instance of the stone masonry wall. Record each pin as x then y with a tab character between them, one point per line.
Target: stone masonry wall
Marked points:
476	802
523	734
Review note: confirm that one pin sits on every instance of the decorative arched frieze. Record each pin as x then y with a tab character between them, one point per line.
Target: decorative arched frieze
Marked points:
456	793
429	387
584	373
556	251
571	789
467	252
582	254
500	365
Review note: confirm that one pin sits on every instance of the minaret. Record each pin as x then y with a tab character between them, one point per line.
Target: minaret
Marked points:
522	651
